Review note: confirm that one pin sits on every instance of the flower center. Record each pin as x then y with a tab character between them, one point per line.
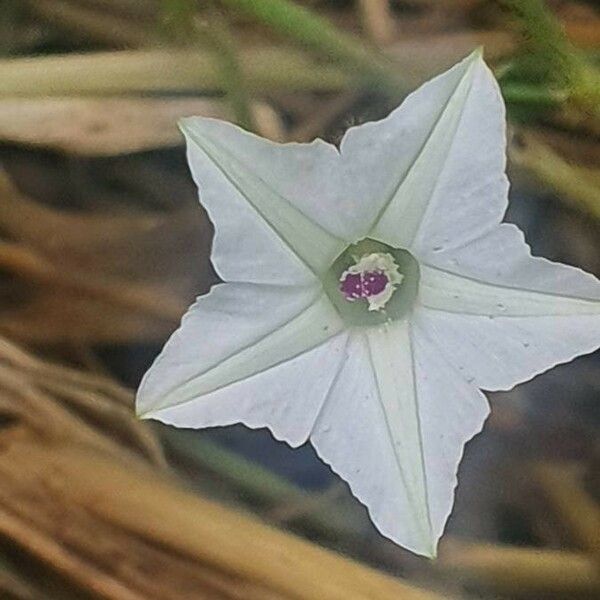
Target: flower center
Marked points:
372	278
371	283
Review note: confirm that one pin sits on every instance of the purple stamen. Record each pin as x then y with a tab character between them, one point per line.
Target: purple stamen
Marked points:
352	287
363	285
374	283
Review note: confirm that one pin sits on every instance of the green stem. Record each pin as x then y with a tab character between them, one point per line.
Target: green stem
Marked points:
262	486
234	81
561	63
533	94
311	31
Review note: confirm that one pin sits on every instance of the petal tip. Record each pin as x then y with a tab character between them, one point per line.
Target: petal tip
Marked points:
184	124
142	412
143	406
477	53
143	415
475	59
428	548
190	125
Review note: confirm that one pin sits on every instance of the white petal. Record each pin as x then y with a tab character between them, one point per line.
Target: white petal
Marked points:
440	173
235	332
462	294
285	398
265	201
505	316
368	431
443	148
451	412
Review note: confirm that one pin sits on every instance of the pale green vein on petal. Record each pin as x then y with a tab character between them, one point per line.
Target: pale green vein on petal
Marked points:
399	221
451	292
311	243
327	397
391	354
311	327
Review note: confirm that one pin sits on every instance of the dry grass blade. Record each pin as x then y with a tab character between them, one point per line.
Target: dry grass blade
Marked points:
577	185
94	23
110	126
521	572
48	372
233	551
32	266
93	508
144	71
123	277
378	20
578	512
62	403
14	588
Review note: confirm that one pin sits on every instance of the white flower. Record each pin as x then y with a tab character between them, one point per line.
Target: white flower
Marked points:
387	397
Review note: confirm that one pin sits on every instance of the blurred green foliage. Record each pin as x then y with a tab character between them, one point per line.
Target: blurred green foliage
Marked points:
550	71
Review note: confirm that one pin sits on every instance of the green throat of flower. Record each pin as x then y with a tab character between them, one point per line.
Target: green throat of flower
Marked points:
371	283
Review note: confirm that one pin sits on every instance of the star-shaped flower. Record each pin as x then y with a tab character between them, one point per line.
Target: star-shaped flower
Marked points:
370	293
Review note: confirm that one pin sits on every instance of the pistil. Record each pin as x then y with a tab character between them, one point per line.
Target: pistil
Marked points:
373	278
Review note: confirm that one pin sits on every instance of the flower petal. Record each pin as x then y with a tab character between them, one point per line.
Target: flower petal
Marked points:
436	164
368	431
285	398
232	334
451	412
265	202
506	316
